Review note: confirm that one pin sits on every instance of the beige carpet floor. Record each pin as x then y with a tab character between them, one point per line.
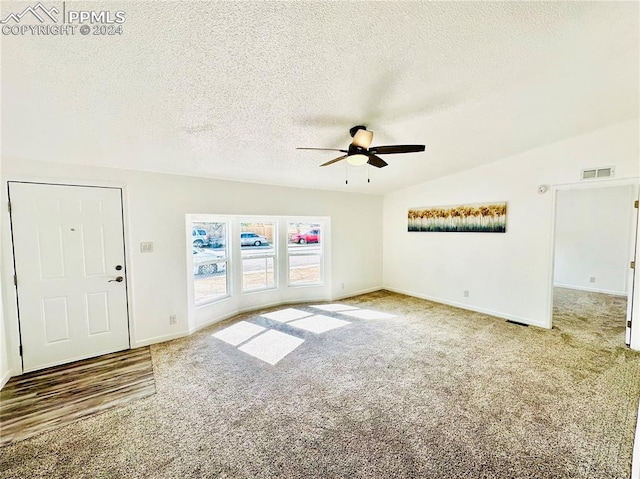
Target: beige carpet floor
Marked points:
434	393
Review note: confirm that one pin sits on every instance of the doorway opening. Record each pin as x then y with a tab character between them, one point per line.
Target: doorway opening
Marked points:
594	245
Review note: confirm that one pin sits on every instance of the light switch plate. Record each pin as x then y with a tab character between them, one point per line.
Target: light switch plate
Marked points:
146	247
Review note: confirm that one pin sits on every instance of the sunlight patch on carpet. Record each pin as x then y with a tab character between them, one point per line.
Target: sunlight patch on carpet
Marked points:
319	323
271	346
238	333
368	314
334	307
285	315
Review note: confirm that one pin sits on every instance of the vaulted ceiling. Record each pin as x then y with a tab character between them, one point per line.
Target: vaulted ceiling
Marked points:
229	89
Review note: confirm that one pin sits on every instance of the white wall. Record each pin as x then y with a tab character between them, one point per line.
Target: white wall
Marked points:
155	209
595	228
5	369
507	275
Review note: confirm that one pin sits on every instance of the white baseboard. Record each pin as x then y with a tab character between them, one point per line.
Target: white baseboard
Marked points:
591	290
5	378
318	299
231	314
159	339
215	320
357	293
468	307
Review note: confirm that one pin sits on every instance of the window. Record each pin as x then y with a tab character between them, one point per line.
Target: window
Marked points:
304	250
210	261
258	251
248	259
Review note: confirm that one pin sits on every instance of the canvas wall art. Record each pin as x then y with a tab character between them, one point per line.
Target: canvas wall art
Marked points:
474	218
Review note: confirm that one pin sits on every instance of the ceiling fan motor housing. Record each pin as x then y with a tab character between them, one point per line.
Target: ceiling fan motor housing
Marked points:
356	150
355	129
361	152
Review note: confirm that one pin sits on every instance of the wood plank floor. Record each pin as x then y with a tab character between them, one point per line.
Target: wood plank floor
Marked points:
47	399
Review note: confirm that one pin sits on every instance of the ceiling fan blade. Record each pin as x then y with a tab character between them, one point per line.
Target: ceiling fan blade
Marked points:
335	160
377	161
388	150
323	149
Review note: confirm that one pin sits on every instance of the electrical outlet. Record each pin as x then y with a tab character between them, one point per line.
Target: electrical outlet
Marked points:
592	279
173	319
466	293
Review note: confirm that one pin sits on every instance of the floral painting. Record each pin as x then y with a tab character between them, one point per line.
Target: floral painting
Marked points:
476	218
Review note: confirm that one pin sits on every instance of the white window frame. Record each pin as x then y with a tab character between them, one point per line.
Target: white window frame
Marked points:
265	256
201	313
320	254
224	259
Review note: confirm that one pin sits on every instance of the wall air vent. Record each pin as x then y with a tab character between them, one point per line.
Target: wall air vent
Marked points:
593	173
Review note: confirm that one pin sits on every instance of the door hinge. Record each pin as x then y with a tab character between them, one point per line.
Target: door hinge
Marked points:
628	324
9	206
635	204
20	349
15	280
632	265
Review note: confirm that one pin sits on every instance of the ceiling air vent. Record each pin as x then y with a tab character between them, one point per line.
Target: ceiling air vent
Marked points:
591	173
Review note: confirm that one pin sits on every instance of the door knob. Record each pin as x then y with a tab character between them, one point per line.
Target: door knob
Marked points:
119	279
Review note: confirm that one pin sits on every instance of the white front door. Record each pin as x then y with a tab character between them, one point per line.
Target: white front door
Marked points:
69	253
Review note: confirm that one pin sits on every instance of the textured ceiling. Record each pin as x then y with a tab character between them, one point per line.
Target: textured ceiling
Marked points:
230	89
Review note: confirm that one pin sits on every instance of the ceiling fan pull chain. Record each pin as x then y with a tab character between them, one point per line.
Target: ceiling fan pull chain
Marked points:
369	174
346	173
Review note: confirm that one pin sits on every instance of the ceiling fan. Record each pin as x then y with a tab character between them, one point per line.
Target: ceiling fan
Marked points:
360	151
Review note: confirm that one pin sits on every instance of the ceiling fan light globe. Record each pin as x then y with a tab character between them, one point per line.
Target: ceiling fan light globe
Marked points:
357	159
363	138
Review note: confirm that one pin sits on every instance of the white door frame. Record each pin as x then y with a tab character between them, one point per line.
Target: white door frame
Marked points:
11	315
635	337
